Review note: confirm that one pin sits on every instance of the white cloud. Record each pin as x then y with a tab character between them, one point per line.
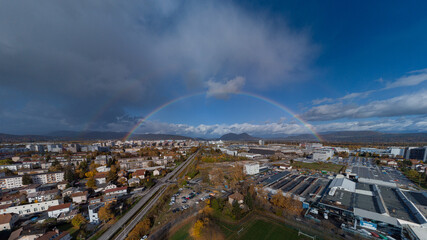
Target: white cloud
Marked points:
357	95
409	104
322	100
397	125
282	128
223	90
411	79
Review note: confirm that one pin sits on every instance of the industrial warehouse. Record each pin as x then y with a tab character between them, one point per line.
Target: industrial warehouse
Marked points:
363	205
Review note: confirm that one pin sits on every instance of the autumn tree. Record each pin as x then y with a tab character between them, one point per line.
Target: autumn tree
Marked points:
105	213
279	200
288	203
140	230
93	166
56	167
91	173
237	174
112	175
82	169
207	211
196	230
78	221
91	183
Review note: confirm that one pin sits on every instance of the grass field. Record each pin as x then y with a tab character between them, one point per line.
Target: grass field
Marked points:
254	228
260	229
182	233
319	166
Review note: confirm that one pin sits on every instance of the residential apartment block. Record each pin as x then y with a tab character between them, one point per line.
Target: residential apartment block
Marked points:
30	208
43	178
11	182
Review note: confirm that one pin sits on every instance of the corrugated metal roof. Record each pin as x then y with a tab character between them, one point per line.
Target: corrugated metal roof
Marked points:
376	216
343	183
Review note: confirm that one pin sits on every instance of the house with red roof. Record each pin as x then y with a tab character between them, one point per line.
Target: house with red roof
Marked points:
7	221
80	197
101	177
120	191
55	211
140	173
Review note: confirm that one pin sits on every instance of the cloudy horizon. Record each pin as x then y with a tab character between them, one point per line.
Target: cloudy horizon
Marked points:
193	68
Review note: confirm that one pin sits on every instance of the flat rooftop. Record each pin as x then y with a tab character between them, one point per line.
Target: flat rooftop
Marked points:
275	178
366	202
395	205
363	186
419	198
341	199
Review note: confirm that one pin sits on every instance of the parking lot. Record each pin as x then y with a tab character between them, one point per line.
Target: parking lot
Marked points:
187	197
364	168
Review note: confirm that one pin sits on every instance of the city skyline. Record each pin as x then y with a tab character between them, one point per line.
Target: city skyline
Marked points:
207	69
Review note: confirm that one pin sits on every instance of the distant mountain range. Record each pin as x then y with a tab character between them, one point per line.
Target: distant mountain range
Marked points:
238	137
88	135
363	137
342	136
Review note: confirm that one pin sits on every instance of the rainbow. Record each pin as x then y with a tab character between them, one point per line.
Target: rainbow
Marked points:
259	97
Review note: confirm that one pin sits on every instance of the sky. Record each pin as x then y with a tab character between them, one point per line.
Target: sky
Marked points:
207	68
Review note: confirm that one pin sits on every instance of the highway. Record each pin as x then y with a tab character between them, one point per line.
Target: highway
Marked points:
149	199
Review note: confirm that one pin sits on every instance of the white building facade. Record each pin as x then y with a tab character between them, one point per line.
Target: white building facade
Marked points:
11	182
251	169
93	212
54	177
30	208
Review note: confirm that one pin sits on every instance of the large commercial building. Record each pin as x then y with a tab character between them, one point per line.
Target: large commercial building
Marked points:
374	204
323	154
373	151
396	151
252	168
418	153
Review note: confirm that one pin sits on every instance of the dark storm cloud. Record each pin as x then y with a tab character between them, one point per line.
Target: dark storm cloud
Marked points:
82	56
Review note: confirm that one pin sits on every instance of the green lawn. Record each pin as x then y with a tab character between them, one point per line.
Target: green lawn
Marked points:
228	229
182	233
256	229
320	166
260	229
